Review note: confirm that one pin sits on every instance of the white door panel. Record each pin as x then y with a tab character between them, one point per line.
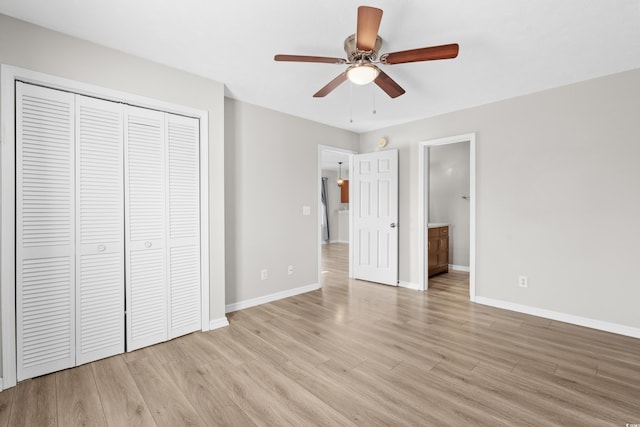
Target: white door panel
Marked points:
145	214
45	285
99	229
183	231
375	216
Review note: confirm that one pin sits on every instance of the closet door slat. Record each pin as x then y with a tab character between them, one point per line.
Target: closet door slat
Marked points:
146	285
99	229
184	224
45	286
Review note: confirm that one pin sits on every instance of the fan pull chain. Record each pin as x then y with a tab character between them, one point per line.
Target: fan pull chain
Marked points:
350	102
373	90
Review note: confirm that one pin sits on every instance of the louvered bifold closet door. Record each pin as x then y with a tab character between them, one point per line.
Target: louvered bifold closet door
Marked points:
99	229
184	224
145	207
45	291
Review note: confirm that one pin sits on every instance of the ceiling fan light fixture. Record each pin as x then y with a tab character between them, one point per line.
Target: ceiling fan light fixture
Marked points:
363	73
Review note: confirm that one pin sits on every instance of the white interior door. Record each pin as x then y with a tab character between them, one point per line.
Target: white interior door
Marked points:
146	285
183	179
99	229
375	216
45	284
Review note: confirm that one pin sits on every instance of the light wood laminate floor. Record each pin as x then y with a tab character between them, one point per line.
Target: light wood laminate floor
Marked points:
353	353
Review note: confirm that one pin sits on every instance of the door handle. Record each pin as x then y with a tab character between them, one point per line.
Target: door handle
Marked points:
393	225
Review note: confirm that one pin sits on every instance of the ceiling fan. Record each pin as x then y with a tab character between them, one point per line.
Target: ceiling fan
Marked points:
362	56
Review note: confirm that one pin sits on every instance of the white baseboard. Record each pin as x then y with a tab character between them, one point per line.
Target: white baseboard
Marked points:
269	298
409	285
562	317
1	386
459	268
218	323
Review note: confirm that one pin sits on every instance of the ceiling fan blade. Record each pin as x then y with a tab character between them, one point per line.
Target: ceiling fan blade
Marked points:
446	51
331	85
304	58
388	85
368	23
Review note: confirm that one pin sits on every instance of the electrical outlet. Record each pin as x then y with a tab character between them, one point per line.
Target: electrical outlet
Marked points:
523	282
263	274
290	270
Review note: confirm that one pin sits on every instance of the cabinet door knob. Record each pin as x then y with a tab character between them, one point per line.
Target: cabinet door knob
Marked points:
147	244
393	225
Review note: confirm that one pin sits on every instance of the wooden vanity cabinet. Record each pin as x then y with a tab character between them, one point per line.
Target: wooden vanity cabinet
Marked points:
438	248
344	192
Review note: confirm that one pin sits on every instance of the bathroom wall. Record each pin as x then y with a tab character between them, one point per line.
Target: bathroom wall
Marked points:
448	183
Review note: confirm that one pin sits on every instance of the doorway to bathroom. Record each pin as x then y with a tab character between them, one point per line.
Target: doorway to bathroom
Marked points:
447	208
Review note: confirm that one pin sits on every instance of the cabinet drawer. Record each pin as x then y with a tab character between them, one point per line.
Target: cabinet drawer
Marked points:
434	232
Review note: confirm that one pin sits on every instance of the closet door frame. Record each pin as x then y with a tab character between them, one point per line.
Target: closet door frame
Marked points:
8	76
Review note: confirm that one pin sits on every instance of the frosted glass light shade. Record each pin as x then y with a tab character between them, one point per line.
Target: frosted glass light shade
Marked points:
362	74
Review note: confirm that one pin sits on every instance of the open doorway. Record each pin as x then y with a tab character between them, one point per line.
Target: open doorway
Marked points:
447	208
334	225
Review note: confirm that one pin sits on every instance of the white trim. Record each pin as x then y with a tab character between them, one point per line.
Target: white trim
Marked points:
204	221
218	323
55	82
240	305
615	328
423	207
8	75
8	220
1	387
409	285
459	268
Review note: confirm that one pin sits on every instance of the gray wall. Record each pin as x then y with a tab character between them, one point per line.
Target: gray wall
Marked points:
557	196
448	182
272	172
35	48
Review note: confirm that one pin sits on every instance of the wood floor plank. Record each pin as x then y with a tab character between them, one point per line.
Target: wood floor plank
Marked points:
168	406
300	404
230	350
77	398
314	339
346	397
292	347
384	396
34	403
122	403
6	400
211	402
261	405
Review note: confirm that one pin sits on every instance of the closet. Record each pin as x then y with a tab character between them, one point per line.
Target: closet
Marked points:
107	228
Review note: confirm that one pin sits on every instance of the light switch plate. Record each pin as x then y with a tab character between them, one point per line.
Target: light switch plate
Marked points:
306	210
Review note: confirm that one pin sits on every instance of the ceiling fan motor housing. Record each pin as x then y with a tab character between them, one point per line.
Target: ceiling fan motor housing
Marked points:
355	55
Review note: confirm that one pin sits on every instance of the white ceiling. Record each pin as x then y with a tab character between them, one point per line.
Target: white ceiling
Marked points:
507	47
